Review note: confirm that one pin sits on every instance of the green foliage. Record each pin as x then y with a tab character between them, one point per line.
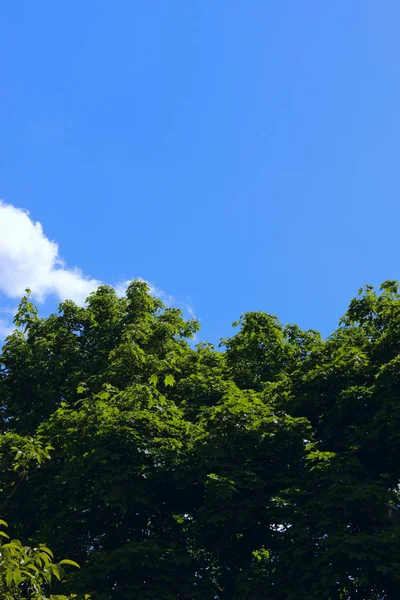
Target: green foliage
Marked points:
269	469
26	573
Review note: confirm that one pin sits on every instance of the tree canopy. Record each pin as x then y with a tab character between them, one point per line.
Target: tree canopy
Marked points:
266	468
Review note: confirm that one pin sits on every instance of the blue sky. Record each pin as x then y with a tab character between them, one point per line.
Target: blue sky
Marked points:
238	155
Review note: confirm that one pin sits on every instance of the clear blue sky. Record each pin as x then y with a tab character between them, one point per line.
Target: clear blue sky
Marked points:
240	155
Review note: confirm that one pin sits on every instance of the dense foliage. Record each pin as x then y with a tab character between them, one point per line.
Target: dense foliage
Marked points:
268	468
28	572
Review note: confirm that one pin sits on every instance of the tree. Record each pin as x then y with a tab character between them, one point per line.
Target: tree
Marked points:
269	469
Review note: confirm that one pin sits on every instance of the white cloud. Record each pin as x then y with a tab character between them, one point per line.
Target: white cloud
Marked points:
28	259
8	310
5	328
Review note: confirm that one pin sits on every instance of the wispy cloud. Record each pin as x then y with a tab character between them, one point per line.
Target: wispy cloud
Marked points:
157	292
8	310
190	310
5	328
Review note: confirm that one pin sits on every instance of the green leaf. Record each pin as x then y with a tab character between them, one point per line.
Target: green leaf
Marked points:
47	550
169	380
56	571
17	576
153	380
66	561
